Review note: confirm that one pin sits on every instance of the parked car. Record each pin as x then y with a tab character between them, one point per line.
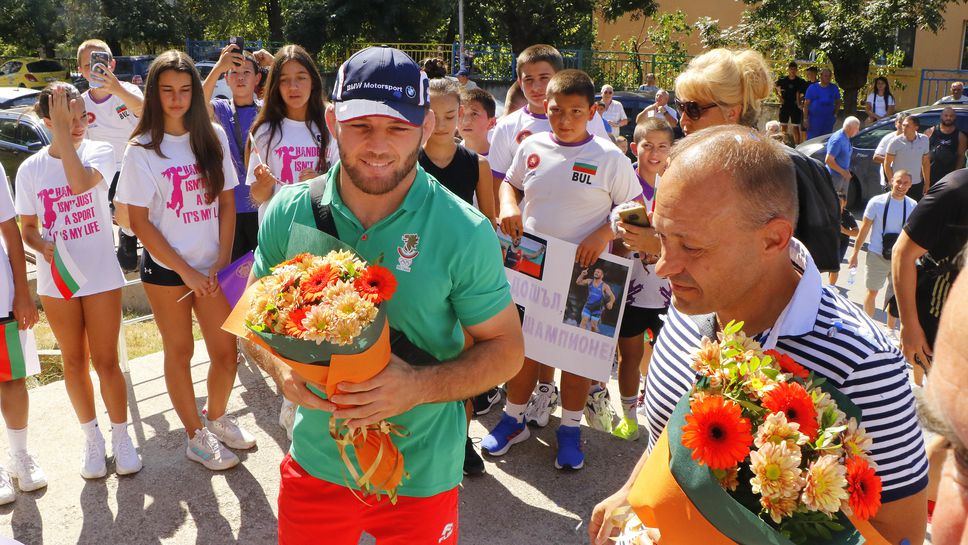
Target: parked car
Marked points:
133	69
222	89
22	134
15	97
633	103
31	72
865	173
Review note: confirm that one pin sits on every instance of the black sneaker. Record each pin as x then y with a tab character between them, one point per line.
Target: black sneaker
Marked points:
127	252
473	463
483	402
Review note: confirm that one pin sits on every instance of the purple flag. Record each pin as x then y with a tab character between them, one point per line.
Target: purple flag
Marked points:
233	278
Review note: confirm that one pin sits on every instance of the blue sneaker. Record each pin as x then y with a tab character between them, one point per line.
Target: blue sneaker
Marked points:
569	448
507	432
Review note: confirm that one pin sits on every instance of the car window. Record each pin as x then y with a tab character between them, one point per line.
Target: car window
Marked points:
204	70
26	100
45	65
26	134
8	130
926	121
123	66
871	138
11	67
5	69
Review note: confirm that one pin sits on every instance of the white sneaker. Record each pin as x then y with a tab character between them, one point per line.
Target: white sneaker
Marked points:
599	411
287	416
541	405
206	449
126	458
25	470
228	431
93	465
7	493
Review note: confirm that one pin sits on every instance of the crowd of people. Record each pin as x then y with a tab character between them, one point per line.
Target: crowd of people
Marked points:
401	152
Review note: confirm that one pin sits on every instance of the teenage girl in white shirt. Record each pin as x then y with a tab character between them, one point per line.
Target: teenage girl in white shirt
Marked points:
177	180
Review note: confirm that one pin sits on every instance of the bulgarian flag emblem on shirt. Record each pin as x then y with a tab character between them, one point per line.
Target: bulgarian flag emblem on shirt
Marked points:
585	168
18	355
66	273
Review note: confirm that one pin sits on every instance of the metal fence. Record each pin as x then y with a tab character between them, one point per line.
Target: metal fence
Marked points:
936	83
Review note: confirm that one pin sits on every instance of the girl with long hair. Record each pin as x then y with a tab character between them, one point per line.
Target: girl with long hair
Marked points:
177	180
880	102
62	199
288	141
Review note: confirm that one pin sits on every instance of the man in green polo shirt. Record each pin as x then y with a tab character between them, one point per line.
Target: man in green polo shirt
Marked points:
451	280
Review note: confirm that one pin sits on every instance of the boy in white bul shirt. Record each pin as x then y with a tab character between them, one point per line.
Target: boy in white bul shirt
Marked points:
113	109
536	65
566	181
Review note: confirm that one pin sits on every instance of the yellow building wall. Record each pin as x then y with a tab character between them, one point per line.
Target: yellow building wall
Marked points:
938	51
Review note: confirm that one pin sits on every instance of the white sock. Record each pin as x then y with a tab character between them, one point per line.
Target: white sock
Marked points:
515	410
628	406
550	386
91	431
17	440
570	418
118	431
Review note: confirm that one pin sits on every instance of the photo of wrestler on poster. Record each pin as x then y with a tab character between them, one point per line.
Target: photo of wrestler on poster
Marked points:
571	315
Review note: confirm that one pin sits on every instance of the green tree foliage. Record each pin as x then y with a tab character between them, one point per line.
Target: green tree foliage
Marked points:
849	33
32	25
143	25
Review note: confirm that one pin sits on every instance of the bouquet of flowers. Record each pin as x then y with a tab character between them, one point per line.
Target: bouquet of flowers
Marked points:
760	451
322	313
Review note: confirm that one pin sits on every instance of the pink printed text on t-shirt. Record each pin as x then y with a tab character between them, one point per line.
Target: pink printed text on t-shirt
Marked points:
291	163
78	212
188	186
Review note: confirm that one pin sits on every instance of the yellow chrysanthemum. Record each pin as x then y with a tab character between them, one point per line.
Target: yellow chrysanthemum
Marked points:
728	478
707	357
779	507
776	470
826	485
318	323
856	442
776	429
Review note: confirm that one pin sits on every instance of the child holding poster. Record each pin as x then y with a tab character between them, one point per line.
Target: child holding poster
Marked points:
62	199
178	181
562	184
15	303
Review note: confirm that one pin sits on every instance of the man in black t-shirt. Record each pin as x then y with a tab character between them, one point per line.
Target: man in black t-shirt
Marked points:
936	233
791	90
948	145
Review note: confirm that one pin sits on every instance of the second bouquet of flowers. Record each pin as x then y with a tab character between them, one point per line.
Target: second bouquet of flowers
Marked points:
761	451
322	312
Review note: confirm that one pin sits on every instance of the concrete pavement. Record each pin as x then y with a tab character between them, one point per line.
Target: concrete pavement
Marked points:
521	500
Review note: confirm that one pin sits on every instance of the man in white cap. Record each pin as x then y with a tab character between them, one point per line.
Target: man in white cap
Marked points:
614	111
450	283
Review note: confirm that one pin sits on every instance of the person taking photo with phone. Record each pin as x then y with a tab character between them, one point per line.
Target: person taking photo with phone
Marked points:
236	116
113	108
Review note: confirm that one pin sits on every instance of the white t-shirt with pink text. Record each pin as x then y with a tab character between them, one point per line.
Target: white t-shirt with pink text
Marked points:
172	189
293	149
82	221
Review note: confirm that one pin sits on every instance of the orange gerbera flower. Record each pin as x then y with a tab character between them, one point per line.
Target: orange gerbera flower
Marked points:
716	432
376	283
788	365
864	487
298	258
793	400
294	325
312	287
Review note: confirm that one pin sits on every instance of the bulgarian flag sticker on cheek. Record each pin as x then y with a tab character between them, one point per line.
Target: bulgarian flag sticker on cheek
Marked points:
18	355
66	273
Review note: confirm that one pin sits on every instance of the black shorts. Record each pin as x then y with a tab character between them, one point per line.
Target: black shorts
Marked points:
637	320
153	273
246	234
792	115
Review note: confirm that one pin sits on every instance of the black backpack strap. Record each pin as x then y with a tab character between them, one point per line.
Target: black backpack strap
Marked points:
399	343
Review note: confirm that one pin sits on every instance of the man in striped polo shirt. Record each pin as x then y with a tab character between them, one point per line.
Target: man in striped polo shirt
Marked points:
735	258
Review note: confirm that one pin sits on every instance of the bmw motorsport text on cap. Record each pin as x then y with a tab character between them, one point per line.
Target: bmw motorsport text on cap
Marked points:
381	81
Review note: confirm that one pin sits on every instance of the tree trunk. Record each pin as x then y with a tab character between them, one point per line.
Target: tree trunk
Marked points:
115	46
274	16
850	70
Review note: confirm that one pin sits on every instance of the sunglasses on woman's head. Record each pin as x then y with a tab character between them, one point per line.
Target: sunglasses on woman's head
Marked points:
692	109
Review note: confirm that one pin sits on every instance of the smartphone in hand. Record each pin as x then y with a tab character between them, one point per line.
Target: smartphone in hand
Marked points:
635	215
100	63
238	42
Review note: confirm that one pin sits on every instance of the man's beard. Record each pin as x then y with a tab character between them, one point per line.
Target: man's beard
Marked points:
948	124
380	187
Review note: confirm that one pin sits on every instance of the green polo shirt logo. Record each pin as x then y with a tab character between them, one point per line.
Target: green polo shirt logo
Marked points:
408	252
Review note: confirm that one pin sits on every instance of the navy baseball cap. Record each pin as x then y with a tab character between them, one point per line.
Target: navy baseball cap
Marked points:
381	81
463	72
